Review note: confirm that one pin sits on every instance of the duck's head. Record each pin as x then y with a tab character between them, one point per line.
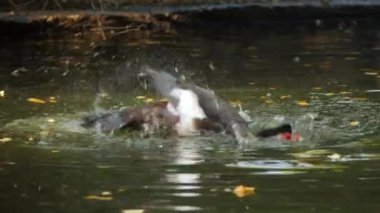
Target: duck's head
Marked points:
159	81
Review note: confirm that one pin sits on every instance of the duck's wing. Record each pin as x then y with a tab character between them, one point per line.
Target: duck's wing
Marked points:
105	122
219	111
215	109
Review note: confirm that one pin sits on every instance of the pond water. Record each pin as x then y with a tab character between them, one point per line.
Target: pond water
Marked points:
322	77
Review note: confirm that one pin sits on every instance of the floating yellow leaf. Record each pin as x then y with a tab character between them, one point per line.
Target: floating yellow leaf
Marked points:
5	139
106	193
149	100
285	96
303	103
242	191
140	97
96	197
2	93
317	88
51	120
330	94
36	100
371	73
354	123
132	211
54	151
52	99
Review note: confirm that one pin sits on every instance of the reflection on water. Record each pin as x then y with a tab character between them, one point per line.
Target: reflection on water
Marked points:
50	163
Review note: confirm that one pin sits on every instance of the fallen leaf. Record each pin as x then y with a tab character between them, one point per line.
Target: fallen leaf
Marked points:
242	191
2	93
140	97
132	211
149	100
334	157
51	120
371	73
106	193
5	139
227	190
354	123
285	96
303	103
52	99
317	88
329	94
36	100
54	151
96	197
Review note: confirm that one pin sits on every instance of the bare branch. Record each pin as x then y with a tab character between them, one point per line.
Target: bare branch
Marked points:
58	4
16	7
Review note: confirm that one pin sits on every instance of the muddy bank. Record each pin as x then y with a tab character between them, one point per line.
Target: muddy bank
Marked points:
110	18
173	5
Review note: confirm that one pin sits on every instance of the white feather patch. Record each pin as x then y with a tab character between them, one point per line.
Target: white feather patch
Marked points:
188	109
